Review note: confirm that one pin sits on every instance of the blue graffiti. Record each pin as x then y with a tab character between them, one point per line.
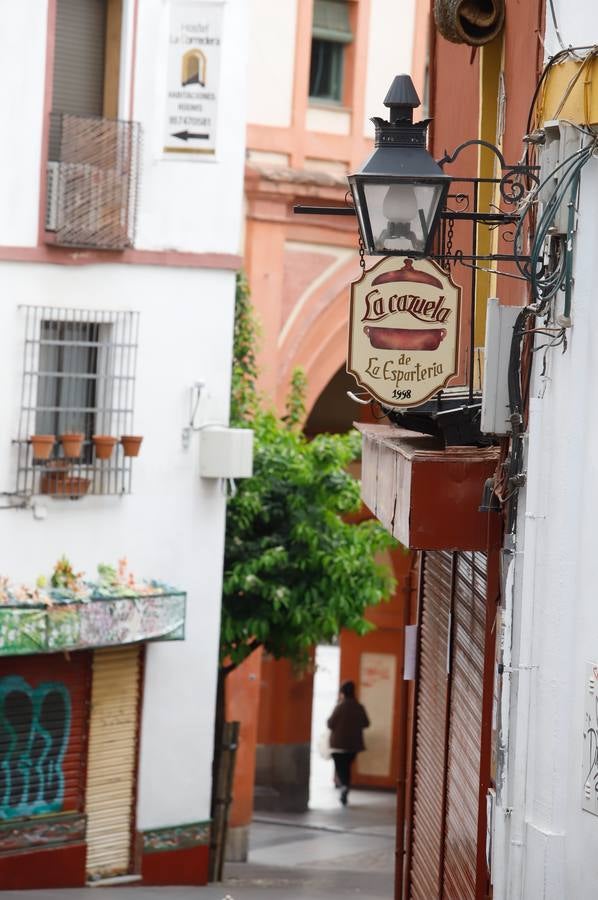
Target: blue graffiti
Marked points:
34	731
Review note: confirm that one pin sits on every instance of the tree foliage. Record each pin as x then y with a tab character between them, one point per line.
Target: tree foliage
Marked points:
297	570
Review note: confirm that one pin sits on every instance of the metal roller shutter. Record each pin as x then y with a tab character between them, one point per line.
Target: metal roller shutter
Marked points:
431	710
465	727
112	760
79	49
43	727
79	60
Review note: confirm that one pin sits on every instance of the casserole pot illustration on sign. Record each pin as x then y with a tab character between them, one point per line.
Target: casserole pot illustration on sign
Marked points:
405	338
407	273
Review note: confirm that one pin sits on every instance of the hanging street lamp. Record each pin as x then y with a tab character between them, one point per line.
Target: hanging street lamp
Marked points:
400	190
406	205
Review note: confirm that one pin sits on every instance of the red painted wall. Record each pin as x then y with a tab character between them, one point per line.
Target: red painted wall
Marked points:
390	620
60	867
285	704
242	702
176	867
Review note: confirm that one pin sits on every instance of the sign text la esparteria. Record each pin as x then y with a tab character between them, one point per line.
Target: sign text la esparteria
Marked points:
404	331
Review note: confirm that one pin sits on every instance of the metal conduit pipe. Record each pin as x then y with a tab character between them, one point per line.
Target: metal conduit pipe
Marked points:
473	22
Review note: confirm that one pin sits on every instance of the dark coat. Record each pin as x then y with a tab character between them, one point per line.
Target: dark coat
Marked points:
346	726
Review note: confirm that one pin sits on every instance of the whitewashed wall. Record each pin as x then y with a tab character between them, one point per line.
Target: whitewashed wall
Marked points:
272	32
545	843
189	203
171	526
577	22
390	51
547	848
185	204
272	63
22	82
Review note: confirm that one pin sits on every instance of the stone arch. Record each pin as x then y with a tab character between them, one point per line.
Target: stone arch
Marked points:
317	340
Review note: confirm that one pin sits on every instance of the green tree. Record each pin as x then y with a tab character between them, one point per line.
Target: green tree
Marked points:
297	568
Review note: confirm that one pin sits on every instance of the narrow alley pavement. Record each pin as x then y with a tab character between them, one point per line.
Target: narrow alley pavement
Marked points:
324	854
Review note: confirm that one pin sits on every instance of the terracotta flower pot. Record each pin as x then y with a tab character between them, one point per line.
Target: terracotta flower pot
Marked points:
131	444
42	445
104	445
72	444
62	485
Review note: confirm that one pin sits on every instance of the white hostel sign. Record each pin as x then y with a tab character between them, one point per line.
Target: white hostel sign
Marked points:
193	77
404	331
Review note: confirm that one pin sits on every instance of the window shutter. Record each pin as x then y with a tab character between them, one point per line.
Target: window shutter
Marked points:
112	760
331	21
79	50
44	706
427	820
465	728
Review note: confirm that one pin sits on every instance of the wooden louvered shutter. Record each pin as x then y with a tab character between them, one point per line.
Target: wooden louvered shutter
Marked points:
44	702
112	760
430	723
465	727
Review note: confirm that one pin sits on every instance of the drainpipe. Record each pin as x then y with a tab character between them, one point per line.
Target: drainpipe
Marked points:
522	671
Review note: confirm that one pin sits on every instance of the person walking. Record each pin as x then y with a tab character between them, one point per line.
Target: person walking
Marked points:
346	725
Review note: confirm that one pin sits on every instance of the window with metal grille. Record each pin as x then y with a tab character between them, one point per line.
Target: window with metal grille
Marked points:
77	401
331	32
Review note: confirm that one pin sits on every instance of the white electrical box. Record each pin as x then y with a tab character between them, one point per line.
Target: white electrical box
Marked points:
500	321
226	452
562	140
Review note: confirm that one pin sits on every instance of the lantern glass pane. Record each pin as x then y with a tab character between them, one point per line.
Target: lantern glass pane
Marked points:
401	215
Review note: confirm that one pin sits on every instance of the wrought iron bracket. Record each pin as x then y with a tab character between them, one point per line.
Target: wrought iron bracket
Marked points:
513	184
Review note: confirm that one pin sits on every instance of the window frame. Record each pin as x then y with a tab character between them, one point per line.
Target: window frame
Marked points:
104	353
329	98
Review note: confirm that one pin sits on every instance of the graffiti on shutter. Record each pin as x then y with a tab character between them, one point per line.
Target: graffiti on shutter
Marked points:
43	716
34	732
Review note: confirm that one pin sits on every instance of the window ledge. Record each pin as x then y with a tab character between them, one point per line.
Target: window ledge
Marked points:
330	105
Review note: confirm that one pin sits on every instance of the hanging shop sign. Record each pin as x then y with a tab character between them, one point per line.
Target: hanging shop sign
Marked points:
404	331
193	77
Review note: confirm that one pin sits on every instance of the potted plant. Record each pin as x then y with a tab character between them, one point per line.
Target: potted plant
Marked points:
72	443
131	444
104	445
42	445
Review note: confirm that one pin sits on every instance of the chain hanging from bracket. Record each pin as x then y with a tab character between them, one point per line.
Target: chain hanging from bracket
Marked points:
449	243
361	253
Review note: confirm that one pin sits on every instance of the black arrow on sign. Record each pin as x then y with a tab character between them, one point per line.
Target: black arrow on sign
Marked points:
186	135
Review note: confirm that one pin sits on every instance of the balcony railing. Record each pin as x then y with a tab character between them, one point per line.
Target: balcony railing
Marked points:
93	174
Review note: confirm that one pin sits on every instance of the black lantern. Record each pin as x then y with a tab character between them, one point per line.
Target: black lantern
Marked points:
400	190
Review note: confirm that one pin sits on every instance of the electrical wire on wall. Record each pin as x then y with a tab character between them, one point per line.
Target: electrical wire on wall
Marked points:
547	267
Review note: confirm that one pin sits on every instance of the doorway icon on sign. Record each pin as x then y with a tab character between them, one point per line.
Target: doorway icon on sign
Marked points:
193	68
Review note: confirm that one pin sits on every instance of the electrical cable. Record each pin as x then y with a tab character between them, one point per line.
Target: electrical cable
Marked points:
556	25
544	285
553	61
546	274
